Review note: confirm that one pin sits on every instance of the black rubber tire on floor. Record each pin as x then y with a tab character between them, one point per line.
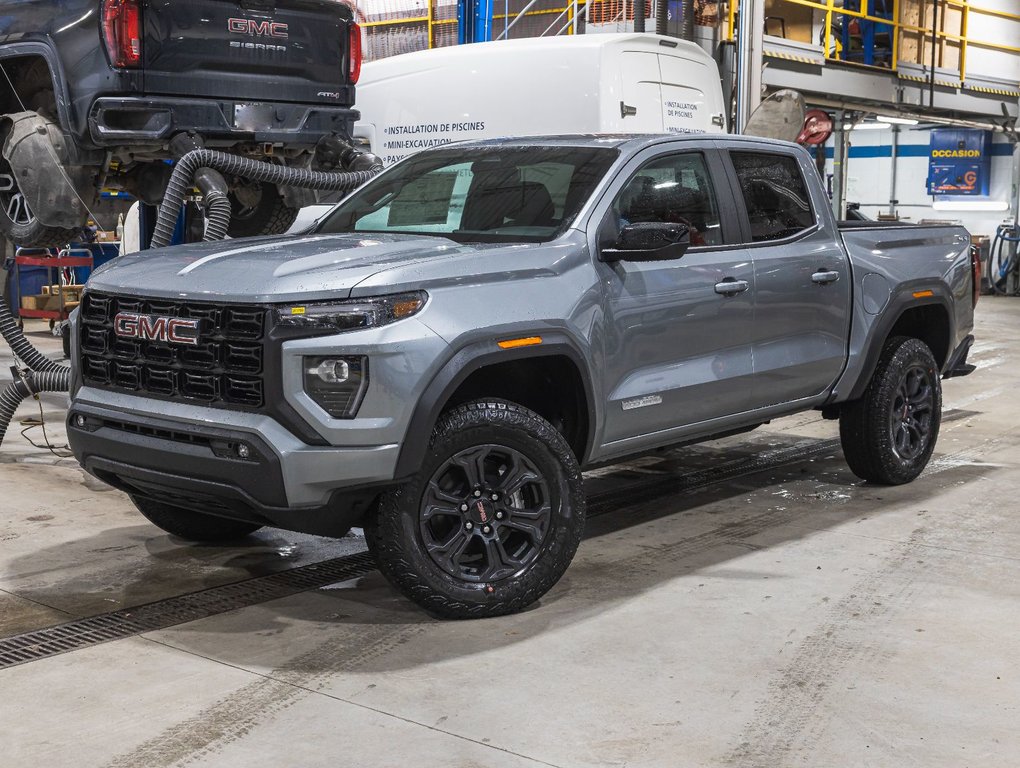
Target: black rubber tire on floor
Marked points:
271	216
193	526
393	536
864	425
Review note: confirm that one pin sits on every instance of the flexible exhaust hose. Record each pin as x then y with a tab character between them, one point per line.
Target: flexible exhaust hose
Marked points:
219	214
34	382
22	347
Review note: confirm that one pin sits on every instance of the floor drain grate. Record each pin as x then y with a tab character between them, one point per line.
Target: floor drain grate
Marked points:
74	635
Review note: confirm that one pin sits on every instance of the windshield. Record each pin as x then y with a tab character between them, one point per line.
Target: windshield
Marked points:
477	194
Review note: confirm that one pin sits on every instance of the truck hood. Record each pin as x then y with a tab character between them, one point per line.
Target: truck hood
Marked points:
267	270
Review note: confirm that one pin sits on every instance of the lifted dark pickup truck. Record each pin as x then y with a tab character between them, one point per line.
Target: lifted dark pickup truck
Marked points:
97	94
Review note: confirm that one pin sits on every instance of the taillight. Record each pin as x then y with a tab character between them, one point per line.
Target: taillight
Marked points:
122	32
354	44
975	268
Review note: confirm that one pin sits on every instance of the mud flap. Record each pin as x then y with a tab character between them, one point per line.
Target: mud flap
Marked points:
36	150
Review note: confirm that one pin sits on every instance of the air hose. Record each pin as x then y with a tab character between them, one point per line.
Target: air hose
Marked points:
218	205
43	375
1000	261
30	383
21	346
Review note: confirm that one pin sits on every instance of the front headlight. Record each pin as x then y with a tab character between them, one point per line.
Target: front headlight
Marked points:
353	314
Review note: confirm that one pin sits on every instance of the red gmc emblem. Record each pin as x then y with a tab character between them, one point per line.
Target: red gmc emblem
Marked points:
258	28
481	513
172	330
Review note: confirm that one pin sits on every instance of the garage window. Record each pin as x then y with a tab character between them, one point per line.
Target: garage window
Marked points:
777	200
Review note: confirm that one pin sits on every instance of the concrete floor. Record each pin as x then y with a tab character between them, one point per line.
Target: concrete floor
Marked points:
785	616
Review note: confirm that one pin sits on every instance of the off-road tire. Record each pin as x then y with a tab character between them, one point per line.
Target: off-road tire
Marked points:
867	427
270	216
193	526
394	534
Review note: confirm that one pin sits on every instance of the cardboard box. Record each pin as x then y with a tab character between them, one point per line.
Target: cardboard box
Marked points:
796	20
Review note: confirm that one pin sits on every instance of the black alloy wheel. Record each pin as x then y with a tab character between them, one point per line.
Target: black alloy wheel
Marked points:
13	202
485	513
910	415
491	520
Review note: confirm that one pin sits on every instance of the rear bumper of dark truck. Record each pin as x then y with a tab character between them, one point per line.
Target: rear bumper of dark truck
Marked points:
142	120
200	469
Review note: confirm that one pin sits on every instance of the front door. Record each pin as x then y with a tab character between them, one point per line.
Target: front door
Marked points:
677	343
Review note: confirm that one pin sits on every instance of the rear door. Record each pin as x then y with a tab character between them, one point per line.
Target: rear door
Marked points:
269	50
802	275
641	105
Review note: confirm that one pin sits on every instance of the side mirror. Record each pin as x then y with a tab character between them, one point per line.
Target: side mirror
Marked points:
649	241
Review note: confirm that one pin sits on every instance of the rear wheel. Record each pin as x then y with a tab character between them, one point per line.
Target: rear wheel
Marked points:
193	526
491	521
258	208
889	435
18	222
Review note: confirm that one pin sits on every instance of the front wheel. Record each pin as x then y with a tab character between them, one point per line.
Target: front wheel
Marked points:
888	435
193	526
490	522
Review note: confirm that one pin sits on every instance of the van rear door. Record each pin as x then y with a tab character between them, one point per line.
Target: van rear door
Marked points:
255	50
641	107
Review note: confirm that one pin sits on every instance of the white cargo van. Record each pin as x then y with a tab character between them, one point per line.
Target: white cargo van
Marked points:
612	83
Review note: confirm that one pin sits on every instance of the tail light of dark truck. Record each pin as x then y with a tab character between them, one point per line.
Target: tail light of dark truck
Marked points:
354	62
122	32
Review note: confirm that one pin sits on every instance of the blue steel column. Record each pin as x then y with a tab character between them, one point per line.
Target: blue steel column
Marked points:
475	21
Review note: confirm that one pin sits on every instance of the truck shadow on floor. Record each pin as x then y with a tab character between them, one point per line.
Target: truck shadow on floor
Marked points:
628	551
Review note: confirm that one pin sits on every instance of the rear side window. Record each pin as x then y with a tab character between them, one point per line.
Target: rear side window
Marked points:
776	197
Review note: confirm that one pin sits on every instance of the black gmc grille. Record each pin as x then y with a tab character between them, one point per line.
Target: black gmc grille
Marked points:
224	368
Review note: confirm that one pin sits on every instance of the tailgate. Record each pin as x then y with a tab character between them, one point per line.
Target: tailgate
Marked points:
270	50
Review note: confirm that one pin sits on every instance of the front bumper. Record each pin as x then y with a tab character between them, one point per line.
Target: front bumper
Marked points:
142	120
169	451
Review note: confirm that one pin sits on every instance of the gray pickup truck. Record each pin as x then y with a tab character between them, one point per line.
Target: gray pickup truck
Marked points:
440	356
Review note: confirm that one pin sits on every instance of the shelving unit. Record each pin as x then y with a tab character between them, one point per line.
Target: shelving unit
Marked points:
42	257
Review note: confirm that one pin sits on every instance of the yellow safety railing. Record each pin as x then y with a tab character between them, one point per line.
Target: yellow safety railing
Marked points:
832	51
431	19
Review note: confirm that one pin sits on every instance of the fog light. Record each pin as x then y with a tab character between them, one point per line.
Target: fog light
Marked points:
332	371
243	451
336	384
79	421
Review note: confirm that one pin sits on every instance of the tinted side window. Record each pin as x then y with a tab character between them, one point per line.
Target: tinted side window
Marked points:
777	199
675	189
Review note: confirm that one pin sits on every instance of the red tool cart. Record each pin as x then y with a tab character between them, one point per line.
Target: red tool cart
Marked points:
59	266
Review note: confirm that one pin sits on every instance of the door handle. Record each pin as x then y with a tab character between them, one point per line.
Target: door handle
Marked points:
823	277
731	287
